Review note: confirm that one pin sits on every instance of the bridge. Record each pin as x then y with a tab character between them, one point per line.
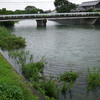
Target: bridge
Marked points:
65	18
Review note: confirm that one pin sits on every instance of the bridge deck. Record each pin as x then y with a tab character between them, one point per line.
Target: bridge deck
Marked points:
50	16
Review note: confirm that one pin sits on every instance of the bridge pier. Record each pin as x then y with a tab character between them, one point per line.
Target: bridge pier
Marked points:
41	23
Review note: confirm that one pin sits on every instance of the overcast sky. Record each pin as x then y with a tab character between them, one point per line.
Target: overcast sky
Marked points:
21	4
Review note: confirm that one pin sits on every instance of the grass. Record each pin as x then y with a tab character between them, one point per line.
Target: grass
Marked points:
47	88
9	41
93	78
33	72
11	85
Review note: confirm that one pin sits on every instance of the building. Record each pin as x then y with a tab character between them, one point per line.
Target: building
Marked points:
85	6
91	4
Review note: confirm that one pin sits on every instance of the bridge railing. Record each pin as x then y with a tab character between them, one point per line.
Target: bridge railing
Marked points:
50	15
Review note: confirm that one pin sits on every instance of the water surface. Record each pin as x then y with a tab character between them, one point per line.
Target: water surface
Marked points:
66	47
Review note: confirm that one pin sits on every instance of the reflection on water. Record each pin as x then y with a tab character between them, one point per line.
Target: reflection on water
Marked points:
66	48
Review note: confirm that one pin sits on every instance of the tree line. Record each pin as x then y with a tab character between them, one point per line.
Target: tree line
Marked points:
61	6
27	10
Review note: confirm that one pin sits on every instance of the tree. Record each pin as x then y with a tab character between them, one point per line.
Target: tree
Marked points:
32	10
64	6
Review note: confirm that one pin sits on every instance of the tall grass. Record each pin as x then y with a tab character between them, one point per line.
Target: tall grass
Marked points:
9	41
33	72
93	78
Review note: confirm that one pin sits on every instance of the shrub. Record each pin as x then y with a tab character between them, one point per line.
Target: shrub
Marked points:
8	41
4	32
48	88
93	78
12	42
10	92
64	88
68	76
32	70
7	23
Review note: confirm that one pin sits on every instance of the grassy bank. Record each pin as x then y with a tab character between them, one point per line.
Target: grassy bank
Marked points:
9	41
11	85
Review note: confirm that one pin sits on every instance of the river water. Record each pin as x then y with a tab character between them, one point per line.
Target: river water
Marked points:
66	47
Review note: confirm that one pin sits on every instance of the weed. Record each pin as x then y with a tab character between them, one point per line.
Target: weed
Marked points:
93	78
64	88
8	41
32	70
48	88
10	92
68	76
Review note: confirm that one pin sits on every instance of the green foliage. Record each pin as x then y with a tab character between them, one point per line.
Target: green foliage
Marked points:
67	86
28	10
20	56
68	76
10	92
8	41
32	70
32	10
12	42
64	6
3	11
7	23
91	10
11	85
93	78
70	85
64	88
48	88
4	32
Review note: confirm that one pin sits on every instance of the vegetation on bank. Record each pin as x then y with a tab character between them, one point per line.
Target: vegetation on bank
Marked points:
9	41
12	86
33	72
69	76
7	23
93	78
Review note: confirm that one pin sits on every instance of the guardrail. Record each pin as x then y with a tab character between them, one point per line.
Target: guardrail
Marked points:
52	15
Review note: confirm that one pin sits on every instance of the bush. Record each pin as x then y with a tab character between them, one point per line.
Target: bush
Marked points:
4	32
7	23
8	41
68	76
91	10
32	70
93	78
10	92
64	88
48	88
12	42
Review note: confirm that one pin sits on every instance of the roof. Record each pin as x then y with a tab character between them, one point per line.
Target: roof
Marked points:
90	3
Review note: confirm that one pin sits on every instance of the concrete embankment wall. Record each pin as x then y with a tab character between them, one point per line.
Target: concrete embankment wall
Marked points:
98	21
77	21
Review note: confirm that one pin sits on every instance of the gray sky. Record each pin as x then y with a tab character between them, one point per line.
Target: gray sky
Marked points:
21	4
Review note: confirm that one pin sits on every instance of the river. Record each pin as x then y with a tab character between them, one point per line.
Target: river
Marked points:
66	47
